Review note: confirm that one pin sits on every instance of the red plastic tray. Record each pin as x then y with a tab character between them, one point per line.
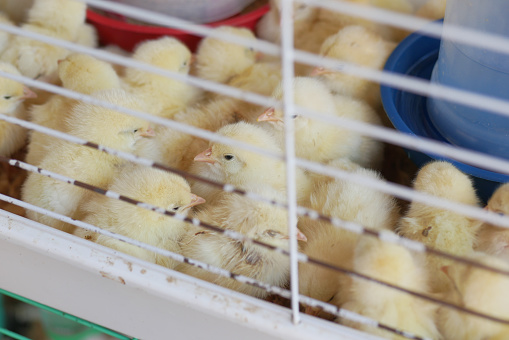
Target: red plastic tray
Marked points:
127	36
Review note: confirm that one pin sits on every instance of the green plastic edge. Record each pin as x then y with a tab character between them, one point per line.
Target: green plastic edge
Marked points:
12	334
58	312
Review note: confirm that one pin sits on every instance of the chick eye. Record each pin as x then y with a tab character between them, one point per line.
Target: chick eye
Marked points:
7	97
136	130
176	208
272	233
294	116
228	157
331	298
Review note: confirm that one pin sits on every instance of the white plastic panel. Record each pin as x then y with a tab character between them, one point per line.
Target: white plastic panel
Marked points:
137	298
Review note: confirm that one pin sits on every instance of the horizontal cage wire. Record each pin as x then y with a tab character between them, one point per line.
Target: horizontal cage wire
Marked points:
379	133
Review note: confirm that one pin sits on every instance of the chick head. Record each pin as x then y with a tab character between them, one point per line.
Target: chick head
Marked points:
258	220
301	12
499	200
109	127
308	93
12	93
442	179
220	60
86	74
239	165
156	187
166	52
357	45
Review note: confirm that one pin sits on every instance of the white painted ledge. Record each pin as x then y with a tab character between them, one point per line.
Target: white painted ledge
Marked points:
137	298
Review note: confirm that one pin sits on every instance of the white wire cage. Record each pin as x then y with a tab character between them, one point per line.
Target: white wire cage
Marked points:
147	301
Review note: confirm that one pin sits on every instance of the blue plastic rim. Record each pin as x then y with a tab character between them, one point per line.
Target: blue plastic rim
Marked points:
416	56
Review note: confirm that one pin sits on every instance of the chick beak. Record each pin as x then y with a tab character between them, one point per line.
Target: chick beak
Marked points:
148	133
195	200
27	93
59	61
259	56
300	236
268	116
193	59
445	270
317	71
205	156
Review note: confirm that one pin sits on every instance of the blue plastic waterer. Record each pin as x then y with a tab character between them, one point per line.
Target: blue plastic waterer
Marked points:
416	56
475	69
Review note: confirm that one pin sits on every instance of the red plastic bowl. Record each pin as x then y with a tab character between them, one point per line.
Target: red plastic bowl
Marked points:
127	36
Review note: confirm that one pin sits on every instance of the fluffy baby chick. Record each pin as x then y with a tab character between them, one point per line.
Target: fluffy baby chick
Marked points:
220	60
438	228
12	95
396	265
78	72
320	141
87	36
258	220
479	290
242	168
178	148
55	18
159	188
165	95
237	66
348	201
491	239
269	26
96	124
357	45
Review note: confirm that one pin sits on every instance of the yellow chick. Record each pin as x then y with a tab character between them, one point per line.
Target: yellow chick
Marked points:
158	188
479	290
438	228
258	220
396	265
78	72
165	95
347	201
320	141
432	9
87	36
96	124
220	60
178	148
55	18
242	168
237	66
12	95
269	26
357	45
491	239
